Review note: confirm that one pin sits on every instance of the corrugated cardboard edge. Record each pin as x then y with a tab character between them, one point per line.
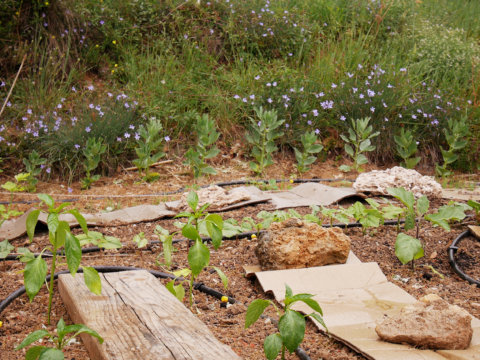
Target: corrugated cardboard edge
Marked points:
352	322
461	194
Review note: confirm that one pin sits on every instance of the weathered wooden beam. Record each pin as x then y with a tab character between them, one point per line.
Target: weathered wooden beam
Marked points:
138	319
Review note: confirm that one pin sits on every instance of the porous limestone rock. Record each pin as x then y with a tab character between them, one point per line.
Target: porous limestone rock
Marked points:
215	195
295	244
430	323
378	181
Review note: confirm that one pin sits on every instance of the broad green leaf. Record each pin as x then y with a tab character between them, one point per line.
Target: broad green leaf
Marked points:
52	222
32	219
272	346
82	329
26	255
292	329
214	224
32	337
254	310
192	200
198	257
92	280
222	276
5	249
140	240
345	168
177	290
34	276
422	205
81	220
475	205
361	159
409	221
73	252
47	199
408	248
10	186
34	352
298	297
349	150
51	354
314	305
190	232
61	328
406	197
182	273
364	145
110	242
62	230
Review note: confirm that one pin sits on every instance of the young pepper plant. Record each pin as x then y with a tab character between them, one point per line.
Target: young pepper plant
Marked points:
60	236
291	324
59	339
198	221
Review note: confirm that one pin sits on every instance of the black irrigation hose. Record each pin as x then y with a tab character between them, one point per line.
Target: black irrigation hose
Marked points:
92	249
302	355
182	189
453	263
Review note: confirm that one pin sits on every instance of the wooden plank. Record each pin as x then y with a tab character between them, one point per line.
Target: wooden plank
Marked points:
138	319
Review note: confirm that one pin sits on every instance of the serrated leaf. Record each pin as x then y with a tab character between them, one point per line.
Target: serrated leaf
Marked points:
34	276
272	346
408	248
73	252
31	223
292	329
198	257
92	280
254	310
5	249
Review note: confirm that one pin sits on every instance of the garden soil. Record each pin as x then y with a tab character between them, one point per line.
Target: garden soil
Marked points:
432	274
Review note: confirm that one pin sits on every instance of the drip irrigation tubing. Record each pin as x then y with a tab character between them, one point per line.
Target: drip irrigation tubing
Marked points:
248	234
453	263
302	355
182	189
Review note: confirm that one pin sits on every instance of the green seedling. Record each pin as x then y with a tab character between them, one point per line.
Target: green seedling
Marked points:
12	187
476	207
167	245
32	166
140	240
5	249
205	148
148	148
198	221
455	135
447	214
367	217
93	151
262	135
407	148
96	238
60	237
359	141
291	324
59	338
310	147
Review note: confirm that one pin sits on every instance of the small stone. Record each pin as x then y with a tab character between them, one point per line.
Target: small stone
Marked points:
430	323
295	244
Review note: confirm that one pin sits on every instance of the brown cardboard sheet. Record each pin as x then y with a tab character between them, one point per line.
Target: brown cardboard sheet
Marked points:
17	227
461	194
353	298
311	194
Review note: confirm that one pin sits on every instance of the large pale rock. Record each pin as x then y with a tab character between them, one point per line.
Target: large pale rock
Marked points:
215	195
430	323
378	181
295	244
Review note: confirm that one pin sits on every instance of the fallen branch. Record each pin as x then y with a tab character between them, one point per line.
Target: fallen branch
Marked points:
153	165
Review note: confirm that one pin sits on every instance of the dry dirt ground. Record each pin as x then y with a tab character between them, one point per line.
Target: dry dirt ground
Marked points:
227	324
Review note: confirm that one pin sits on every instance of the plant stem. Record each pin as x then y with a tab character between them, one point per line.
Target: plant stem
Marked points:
283	352
52	278
190	295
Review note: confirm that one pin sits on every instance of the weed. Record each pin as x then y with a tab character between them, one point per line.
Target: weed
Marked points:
94	149
310	146
407	148
148	147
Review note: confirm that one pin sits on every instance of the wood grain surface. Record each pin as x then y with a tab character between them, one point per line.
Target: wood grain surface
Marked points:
138	319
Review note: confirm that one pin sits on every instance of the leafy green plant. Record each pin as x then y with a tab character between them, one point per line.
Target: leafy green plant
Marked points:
359	140
407	148
446	214
92	152
167	245
309	147
291	323
367	217
5	249
59	339
455	135
148	148
32	166
96	238
60	236
18	185
198	221
205	148
140	240
476	207
262	135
